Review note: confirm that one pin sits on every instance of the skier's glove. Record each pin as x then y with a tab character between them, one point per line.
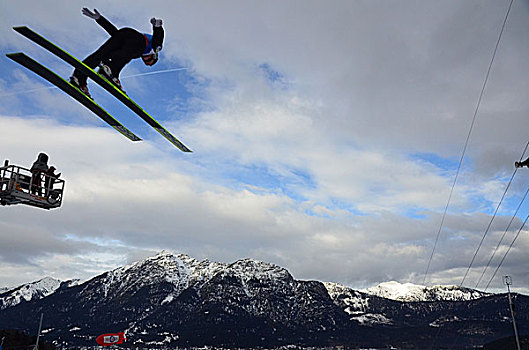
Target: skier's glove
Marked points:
156	22
94	15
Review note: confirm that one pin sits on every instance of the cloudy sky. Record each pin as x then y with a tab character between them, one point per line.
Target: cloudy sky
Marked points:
326	135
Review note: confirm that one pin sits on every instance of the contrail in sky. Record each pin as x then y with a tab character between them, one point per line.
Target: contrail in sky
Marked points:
125	77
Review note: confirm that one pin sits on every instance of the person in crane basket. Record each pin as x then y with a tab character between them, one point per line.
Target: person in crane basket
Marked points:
39	167
50	180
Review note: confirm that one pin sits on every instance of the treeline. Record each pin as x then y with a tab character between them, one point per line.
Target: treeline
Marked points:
13	339
508	343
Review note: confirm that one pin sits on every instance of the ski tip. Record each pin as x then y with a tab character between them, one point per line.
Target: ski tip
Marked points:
126	132
173	139
15	56
20	28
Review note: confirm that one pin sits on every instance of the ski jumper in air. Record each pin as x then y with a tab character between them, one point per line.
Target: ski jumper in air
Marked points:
115	58
123	45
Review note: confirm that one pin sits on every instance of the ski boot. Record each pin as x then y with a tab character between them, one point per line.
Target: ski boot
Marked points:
84	89
518	165
105	71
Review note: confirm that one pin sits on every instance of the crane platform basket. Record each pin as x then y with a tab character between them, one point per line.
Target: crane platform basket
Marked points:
19	185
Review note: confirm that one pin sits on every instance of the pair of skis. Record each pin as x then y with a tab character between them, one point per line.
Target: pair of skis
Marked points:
74	92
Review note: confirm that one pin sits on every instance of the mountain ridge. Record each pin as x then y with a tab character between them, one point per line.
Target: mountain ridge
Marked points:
172	300
184	271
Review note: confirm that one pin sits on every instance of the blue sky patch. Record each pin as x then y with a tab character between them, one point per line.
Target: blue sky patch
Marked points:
274	77
446	164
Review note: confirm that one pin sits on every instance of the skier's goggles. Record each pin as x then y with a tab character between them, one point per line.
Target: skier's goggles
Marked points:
150	59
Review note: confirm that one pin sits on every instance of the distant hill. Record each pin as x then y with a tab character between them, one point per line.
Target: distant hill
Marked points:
31	291
412	292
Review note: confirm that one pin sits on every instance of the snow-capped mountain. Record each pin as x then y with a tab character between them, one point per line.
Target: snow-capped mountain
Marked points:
171	300
180	271
413	292
30	291
183	271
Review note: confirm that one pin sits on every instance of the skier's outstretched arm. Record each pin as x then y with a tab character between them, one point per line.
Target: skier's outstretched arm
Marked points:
157	34
102	21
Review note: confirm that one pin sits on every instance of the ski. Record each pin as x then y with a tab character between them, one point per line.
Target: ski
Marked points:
102	81
71	90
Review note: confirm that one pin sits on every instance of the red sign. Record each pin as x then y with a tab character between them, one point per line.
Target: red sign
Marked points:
111	339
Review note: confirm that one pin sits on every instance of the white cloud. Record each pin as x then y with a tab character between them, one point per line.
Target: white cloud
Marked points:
317	172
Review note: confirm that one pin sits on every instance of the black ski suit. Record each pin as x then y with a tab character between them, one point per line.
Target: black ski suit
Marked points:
124	45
